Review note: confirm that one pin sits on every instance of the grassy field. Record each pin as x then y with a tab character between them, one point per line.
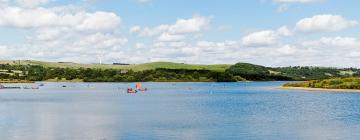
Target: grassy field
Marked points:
134	67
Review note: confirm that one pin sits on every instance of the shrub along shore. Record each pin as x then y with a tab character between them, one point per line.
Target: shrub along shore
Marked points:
335	84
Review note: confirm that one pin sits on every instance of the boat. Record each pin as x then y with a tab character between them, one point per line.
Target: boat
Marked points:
131	91
26	87
32	87
42	84
139	87
4	87
35	87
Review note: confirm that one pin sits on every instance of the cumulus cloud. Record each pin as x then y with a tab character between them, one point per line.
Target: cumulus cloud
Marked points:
174	31
195	24
63	33
334	42
324	23
285	31
43	17
70	45
149	32
70	33
165	37
266	37
261	38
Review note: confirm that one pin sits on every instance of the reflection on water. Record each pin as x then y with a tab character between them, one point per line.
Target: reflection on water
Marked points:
177	111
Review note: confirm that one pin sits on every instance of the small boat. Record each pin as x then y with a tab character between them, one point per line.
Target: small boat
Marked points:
131	91
139	87
35	87
3	87
63	86
143	89
42	84
32	87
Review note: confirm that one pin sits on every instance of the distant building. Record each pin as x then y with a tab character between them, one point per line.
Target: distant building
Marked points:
124	64
124	71
65	62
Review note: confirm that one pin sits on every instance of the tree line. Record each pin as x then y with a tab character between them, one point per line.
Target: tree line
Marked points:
237	72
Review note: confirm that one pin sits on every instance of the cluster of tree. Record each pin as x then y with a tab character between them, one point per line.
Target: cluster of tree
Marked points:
40	73
312	73
256	73
298	73
237	72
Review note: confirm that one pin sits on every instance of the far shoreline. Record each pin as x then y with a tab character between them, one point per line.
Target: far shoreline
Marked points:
320	89
16	82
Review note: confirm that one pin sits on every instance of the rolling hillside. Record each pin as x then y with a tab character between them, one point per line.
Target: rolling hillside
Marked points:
135	67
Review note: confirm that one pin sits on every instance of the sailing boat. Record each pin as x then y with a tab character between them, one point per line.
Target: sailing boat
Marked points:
139	87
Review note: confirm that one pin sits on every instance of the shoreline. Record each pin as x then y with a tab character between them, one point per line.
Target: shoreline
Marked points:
320	89
16	82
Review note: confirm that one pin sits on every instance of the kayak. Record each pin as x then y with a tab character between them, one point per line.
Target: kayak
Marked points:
132	91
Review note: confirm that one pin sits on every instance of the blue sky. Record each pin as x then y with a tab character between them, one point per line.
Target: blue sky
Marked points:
267	32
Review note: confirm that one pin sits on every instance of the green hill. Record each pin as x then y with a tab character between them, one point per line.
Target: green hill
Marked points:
248	71
134	67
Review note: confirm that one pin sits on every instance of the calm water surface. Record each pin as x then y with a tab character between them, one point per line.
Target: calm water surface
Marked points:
174	111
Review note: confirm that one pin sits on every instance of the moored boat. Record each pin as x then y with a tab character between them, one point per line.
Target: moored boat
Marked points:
4	87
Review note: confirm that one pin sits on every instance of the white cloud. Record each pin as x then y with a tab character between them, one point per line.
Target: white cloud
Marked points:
165	37
287	49
175	31
324	23
43	17
149	32
99	21
135	29
195	24
261	38
334	42
70	33
266	37
65	33
284	31
70	45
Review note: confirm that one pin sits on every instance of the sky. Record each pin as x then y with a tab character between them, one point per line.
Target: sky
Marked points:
265	32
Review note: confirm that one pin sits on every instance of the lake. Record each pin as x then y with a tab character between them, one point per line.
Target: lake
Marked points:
177	111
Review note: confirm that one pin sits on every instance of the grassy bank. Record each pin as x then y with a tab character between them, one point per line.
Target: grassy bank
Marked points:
335	83
321	89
